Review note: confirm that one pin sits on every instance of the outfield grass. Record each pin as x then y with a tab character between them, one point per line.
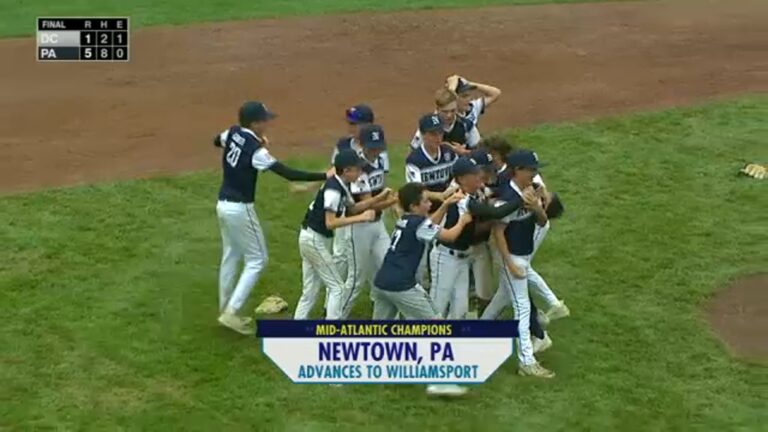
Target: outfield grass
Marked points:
109	297
18	19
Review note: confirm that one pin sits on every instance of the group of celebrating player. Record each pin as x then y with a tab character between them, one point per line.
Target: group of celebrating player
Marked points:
470	206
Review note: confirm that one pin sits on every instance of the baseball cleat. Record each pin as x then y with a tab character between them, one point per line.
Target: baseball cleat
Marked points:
241	325
535	370
558	311
448	390
540	345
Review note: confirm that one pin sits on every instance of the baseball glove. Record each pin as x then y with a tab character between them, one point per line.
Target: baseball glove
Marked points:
755	171
272	305
555	208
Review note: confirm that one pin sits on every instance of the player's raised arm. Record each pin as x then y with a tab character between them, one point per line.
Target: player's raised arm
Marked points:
462	85
490	93
489	211
450	235
371	202
439	214
332	221
292	174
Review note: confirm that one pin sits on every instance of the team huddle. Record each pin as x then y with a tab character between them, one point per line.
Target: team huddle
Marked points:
471	209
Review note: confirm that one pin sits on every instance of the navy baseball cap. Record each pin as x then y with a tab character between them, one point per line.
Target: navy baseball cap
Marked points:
482	157
430	123
360	113
372	137
464	86
347	158
464	166
254	111
524	158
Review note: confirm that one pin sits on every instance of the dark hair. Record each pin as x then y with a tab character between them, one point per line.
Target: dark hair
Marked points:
410	194
498	144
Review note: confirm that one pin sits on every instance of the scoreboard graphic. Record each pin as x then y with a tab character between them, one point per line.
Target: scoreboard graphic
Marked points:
90	39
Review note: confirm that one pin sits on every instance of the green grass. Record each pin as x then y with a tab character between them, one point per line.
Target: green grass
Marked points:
109	297
18	16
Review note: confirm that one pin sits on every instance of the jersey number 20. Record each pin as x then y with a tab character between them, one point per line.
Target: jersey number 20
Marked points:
396	239
233	155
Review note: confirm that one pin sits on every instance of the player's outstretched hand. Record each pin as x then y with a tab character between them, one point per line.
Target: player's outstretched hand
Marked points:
455	197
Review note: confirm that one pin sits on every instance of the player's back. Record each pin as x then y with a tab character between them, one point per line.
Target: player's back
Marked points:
459	132
398	271
239	175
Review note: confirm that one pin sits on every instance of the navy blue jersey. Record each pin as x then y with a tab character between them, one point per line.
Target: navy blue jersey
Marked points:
411	235
460	132
501	182
435	173
521	224
242	157
465	239
334	196
463	131
371	181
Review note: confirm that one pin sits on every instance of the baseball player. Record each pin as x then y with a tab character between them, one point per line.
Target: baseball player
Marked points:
395	286
481	256
244	154
369	241
458	132
431	163
469	107
451	261
516	237
333	207
500	148
357	117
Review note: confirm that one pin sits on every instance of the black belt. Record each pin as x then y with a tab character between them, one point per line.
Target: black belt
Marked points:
455	252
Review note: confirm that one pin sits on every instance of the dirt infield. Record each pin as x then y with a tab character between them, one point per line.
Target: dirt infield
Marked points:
72	123
739	315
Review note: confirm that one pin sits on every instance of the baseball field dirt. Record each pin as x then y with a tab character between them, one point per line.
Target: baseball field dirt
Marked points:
739	315
76	123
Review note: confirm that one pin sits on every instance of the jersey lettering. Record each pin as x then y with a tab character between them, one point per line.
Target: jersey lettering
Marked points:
233	155
396	238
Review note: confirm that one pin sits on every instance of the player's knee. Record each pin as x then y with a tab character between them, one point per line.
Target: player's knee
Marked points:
257	262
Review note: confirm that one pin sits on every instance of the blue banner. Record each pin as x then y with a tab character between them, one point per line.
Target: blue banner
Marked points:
386	329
